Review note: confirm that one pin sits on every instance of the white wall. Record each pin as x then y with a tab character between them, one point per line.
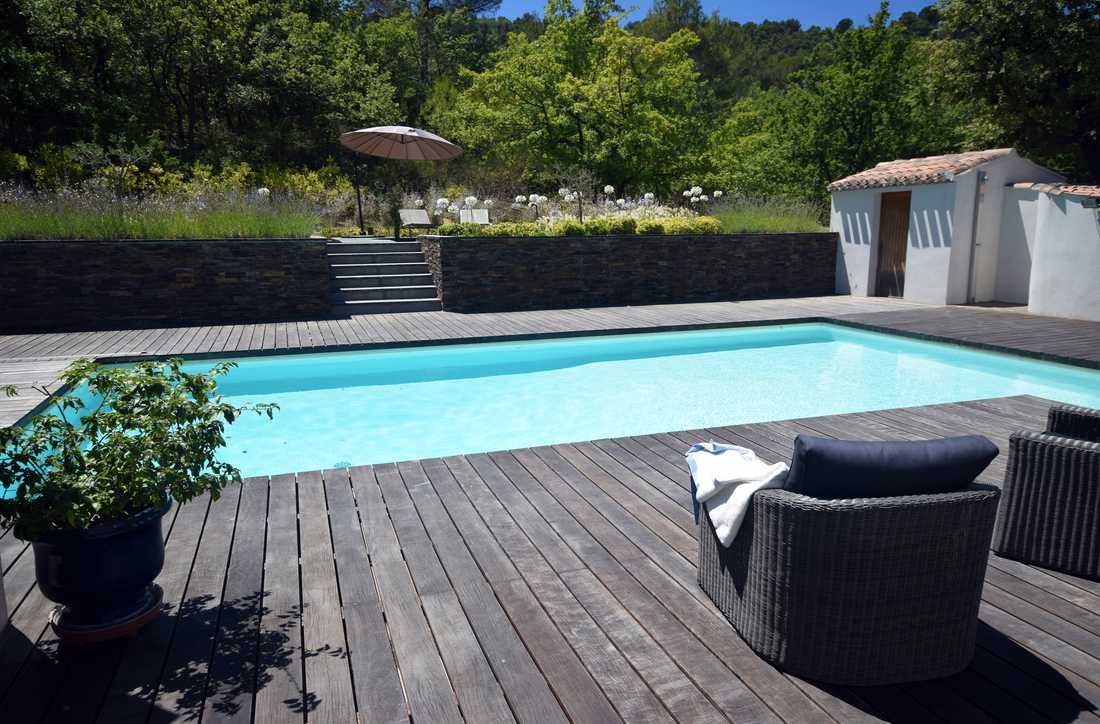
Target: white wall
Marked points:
854	216
1065	265
989	261
1017	244
932	229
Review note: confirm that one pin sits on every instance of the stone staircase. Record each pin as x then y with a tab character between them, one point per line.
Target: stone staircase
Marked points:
374	277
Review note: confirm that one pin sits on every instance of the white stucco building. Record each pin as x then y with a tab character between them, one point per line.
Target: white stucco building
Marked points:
969	227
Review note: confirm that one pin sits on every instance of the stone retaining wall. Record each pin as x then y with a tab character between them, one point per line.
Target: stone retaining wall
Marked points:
483	274
48	285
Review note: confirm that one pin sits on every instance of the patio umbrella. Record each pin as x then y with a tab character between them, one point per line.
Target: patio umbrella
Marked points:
397	142
400	142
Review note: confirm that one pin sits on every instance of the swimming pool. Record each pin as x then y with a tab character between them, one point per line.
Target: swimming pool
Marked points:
355	408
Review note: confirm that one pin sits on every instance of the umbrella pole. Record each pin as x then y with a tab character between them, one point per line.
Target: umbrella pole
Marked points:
359	199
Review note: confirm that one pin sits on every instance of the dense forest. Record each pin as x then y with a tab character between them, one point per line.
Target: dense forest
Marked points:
179	87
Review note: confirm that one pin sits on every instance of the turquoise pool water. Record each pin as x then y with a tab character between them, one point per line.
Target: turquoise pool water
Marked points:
389	405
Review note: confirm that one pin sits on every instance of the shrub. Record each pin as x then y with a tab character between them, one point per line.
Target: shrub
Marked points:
461	229
693	225
569	227
334	231
622	225
518	228
600	226
651	226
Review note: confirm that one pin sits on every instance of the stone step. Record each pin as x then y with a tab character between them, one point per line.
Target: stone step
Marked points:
340	270
383	280
372	247
388	306
354	294
392	257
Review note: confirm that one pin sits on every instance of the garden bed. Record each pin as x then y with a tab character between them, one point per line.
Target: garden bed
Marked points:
483	274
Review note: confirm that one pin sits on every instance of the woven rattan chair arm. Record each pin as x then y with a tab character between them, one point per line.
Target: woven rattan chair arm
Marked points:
1082	423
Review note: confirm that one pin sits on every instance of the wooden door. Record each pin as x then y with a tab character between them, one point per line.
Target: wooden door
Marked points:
893	239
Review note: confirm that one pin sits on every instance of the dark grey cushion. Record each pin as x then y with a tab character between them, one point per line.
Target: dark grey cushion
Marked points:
822	467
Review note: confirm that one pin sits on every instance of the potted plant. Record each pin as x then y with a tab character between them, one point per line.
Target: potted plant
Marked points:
88	480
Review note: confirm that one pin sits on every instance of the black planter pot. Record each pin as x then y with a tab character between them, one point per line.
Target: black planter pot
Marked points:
102	576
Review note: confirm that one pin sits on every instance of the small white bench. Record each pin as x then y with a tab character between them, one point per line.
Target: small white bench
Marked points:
474	216
415	219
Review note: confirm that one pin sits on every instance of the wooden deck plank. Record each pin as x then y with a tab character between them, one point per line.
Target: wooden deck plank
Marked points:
527	692
183	683
427	686
280	688
667	681
479	694
327	673
19	578
232	678
129	698
574	687
621	514
623	686
377	684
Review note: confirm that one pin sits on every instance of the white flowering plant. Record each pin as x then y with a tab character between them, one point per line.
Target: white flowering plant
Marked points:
696	195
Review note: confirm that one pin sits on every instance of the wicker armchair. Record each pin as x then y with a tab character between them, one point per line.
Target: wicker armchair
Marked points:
859	591
1050	512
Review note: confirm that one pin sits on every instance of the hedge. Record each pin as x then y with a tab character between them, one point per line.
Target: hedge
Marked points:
600	226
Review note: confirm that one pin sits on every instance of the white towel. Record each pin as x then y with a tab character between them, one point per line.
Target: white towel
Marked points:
725	478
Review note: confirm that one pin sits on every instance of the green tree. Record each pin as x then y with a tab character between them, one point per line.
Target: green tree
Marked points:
1034	68
586	94
305	83
421	41
868	95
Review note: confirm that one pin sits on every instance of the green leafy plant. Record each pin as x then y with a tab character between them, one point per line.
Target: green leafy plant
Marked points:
692	225
651	226
460	229
336	231
519	228
599	226
569	227
622	225
149	434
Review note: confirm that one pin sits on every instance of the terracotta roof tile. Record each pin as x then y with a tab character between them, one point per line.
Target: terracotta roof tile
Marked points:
914	171
1091	192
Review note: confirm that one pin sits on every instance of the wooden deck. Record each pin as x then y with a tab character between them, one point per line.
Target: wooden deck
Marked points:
538	585
548	584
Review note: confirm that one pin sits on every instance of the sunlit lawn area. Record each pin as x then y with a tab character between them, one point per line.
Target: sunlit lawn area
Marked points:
750	215
78	216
